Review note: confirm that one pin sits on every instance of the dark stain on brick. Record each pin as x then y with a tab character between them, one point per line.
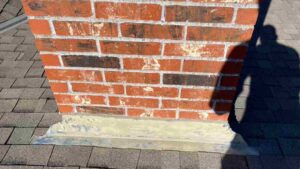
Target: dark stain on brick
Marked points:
101	110
91	61
88	45
193	80
176	31
136	31
35	5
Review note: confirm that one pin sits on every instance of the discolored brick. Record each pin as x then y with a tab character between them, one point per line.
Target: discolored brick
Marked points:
194	80
91	61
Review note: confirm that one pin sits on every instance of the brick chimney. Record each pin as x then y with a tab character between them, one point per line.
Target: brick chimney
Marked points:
164	59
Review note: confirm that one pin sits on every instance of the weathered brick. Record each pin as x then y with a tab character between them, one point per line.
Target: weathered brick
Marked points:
193	105
68	28
152	64
75	8
219	34
194	80
95	88
194	50
131	77
199	14
69	45
100	110
151	91
78	99
152	31
137	48
91	61
113	10
134	102
74	75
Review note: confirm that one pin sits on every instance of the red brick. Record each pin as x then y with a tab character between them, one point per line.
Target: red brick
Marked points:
137	48
133	102
69	45
237	52
132	11
230	81
65	109
100	110
75	8
152	113
199	14
151	64
223	107
79	99
194	50
132	77
219	34
69	28
39	27
151	91
74	75
226	1
97	88
59	87
212	66
152	31
207	94
183	104
247	16
202	116
50	60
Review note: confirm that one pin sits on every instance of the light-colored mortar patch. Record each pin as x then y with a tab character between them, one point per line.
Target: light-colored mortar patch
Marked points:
145	134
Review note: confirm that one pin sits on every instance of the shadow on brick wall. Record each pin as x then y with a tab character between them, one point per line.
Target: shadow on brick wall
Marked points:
266	111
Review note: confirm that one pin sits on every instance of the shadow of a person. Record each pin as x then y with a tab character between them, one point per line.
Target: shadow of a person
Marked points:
267	96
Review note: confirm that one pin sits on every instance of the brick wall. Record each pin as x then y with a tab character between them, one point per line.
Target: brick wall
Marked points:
144	58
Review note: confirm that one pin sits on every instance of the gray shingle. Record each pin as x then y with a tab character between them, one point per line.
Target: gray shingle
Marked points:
150	159
21	136
28	154
3	150
11	93
210	160
32	93
50	119
4	134
7	105
100	157
124	158
70	156
20	167
6	82
170	160
189	160
28	82
20	119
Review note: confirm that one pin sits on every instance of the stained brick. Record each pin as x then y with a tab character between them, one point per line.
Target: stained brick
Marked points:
131	77
134	102
152	64
96	88
199	14
133	11
100	110
74	75
152	31
78	99
183	104
194	80
151	91
137	48
70	45
91	61
68	28
194	50
77	8
219	34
